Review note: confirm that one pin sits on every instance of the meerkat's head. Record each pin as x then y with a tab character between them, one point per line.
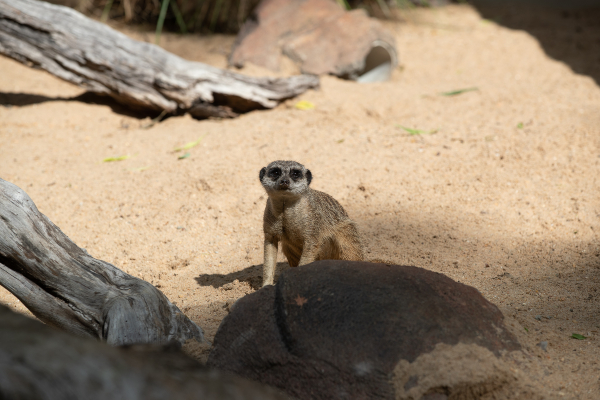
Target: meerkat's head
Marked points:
286	178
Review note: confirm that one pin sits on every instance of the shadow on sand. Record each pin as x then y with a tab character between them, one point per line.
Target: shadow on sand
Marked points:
568	31
27	99
252	275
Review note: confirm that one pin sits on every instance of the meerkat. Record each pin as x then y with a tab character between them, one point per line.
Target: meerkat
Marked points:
311	225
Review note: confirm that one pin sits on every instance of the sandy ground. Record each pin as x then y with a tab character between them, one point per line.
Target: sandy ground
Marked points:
503	196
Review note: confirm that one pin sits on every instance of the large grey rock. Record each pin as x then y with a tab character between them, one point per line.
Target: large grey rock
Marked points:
354	330
318	35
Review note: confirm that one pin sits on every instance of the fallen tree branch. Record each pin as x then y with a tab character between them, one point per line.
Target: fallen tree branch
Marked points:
65	287
37	362
137	74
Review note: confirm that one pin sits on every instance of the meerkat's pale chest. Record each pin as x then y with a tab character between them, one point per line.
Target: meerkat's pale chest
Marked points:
293	222
285	221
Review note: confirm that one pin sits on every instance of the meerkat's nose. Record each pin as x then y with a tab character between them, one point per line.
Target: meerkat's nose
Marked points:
285	182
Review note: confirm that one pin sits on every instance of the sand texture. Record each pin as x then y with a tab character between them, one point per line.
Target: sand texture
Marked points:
501	192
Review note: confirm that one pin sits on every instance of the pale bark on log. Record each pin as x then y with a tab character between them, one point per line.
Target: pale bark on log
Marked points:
38	362
137	74
65	287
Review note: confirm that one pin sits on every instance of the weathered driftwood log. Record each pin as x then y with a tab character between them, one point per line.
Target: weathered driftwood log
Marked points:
38	362
140	75
65	287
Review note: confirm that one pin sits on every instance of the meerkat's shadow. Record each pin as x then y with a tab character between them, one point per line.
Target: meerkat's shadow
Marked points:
252	275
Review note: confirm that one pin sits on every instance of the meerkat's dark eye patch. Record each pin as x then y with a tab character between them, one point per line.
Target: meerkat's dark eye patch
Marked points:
296	174
274	173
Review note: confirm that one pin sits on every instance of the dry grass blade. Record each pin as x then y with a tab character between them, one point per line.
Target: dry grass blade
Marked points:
161	20
413	132
215	15
178	17
154	121
242	12
106	11
189	145
384	8
119	158
344	4
459	91
128	8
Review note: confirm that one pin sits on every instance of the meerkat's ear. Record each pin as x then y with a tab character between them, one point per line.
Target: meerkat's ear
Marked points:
262	173
308	176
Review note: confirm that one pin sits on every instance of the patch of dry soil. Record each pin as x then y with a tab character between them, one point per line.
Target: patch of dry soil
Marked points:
503	196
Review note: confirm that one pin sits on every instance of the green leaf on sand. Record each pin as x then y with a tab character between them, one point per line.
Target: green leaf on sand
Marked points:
578	336
186	155
520	125
459	91
111	159
416	131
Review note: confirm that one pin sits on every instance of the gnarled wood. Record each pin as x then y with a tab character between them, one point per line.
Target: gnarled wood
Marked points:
140	75
37	362
65	287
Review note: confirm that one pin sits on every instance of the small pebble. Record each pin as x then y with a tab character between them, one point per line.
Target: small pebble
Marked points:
543	345
538	317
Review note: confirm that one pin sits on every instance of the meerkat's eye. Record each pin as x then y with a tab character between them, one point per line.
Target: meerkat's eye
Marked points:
296	174
274	173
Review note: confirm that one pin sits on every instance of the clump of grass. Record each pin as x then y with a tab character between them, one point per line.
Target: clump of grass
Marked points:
184	16
226	16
